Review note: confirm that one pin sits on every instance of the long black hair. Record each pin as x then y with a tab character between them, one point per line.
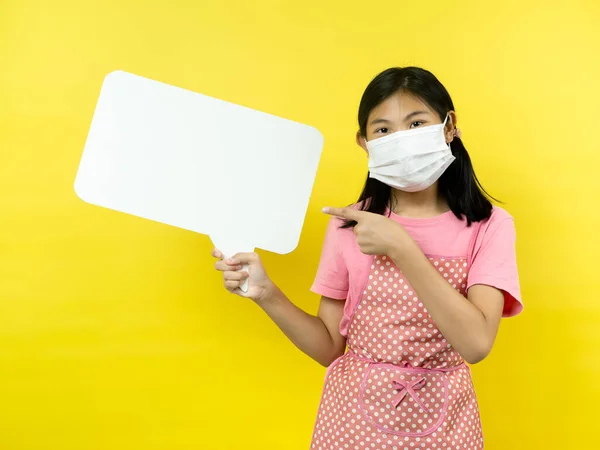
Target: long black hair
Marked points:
458	185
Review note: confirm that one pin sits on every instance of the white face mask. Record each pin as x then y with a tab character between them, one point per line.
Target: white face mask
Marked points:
410	160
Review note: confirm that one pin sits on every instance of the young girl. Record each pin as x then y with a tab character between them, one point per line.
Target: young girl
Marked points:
414	279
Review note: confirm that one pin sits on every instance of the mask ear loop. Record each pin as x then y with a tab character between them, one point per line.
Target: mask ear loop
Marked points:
457	132
444	128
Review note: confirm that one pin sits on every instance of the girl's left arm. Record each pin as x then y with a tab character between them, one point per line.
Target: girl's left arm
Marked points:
469	324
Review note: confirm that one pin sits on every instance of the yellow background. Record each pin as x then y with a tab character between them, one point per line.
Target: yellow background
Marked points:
115	332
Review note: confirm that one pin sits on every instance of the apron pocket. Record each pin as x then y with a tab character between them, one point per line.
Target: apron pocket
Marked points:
404	401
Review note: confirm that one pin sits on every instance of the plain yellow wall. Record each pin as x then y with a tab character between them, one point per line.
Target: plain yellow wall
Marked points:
115	332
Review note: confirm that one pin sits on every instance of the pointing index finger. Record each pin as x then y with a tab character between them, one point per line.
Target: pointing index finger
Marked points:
344	213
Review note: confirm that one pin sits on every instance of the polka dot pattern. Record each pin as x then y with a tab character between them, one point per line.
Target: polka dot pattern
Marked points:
401	385
399	401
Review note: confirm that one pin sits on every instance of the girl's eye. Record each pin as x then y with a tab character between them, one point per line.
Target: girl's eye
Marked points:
382	131
416	124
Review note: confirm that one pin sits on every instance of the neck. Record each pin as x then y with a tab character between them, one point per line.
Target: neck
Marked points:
427	203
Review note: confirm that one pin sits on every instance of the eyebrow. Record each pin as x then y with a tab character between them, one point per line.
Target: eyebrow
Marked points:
378	121
408	117
413	114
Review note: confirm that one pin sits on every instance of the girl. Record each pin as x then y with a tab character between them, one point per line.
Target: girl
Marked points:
414	279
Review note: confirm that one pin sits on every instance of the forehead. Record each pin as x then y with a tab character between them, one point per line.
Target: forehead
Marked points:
398	105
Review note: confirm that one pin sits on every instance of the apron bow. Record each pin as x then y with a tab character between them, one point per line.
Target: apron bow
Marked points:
405	388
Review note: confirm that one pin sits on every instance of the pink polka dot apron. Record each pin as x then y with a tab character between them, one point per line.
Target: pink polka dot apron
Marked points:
400	385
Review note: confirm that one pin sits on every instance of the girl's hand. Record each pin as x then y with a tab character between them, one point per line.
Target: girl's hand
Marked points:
375	234
260	287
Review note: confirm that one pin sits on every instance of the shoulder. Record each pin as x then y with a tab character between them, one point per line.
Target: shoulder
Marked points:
499	214
500	218
344	238
498	228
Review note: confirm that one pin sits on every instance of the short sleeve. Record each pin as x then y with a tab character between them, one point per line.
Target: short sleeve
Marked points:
495	263
332	275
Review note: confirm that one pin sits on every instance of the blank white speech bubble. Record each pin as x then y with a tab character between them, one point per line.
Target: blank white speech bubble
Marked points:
241	176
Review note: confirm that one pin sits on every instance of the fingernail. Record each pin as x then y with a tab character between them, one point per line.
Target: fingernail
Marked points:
325	210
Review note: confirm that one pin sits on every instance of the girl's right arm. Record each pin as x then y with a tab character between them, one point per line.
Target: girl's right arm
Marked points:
317	336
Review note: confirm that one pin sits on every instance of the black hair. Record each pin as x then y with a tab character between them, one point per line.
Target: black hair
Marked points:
458	185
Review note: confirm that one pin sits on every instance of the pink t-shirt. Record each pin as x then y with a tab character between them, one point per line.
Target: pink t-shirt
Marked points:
488	247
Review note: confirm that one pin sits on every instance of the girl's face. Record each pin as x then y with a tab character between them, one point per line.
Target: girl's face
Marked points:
403	111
